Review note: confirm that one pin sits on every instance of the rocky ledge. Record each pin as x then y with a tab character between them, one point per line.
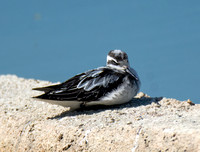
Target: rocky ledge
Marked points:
144	124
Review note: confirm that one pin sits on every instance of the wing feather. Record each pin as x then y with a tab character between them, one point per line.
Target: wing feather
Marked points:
88	86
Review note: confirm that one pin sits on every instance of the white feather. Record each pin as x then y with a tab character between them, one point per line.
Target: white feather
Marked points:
124	93
72	104
109	58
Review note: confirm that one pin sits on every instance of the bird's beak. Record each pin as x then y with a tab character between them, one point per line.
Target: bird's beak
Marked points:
131	73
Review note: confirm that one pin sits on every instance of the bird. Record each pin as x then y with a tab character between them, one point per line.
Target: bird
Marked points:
114	84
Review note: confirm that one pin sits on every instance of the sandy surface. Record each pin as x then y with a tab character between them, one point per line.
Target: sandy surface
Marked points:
144	124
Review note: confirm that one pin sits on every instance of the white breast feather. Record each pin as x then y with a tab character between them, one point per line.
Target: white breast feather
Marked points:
122	94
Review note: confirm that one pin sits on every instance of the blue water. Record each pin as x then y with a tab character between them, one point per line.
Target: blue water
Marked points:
54	40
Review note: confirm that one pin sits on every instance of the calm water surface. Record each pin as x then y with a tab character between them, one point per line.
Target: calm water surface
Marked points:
53	41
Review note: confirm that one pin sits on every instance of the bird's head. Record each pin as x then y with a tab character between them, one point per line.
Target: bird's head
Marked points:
117	59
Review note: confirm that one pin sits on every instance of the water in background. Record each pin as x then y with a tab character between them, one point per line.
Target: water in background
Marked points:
53	41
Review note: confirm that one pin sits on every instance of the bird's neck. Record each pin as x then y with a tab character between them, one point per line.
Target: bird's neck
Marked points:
116	67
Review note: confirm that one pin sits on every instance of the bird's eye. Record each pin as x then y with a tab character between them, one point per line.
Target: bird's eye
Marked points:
114	63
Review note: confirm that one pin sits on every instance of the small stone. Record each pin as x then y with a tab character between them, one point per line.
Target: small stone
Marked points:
112	120
190	102
129	123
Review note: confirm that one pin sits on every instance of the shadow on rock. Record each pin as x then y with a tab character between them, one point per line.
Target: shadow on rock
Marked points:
135	102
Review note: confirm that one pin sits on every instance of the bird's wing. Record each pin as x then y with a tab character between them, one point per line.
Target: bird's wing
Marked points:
67	84
88	86
48	88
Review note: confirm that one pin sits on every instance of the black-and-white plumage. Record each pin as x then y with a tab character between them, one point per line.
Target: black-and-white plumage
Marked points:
116	83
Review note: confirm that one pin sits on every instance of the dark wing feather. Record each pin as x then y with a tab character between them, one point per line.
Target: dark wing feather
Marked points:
48	88
89	86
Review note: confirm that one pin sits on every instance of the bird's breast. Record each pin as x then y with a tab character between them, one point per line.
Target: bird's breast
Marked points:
122	94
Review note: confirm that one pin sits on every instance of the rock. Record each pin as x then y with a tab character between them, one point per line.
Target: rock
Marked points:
144	124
